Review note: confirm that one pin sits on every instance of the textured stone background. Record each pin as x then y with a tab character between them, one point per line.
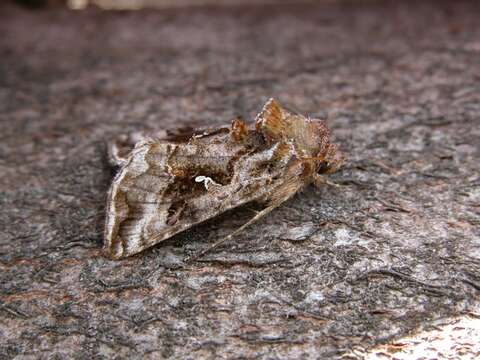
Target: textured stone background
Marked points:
393	250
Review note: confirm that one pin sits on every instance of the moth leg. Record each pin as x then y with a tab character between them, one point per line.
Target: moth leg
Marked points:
319	181
257	217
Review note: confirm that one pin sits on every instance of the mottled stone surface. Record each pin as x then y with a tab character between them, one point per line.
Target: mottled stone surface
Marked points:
392	250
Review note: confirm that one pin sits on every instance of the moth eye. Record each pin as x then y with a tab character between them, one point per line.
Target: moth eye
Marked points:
323	167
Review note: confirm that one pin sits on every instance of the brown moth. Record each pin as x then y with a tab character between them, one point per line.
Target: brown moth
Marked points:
168	184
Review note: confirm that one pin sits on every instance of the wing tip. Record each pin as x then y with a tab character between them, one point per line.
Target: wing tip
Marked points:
113	249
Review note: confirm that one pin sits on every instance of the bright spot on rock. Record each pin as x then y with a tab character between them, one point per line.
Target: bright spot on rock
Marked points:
343	237
299	233
314	297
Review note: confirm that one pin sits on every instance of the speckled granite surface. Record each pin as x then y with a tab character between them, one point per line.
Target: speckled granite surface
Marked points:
395	248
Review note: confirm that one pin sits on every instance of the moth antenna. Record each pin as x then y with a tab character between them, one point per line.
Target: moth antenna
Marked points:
257	217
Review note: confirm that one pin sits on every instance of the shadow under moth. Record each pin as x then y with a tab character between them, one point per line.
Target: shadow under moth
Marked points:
167	184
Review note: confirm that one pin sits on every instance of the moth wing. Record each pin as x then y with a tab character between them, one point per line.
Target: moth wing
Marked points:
120	148
156	194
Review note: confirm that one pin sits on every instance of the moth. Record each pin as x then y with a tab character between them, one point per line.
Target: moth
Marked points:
167	184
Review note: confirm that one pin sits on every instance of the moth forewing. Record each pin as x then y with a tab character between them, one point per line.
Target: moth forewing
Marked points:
157	194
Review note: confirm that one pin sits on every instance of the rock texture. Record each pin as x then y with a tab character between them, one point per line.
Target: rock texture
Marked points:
392	250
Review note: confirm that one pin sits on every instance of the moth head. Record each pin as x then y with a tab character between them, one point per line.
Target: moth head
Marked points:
331	161
316	143
311	137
